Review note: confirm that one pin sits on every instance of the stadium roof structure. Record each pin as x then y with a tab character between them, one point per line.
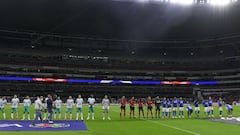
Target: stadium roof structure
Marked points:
114	19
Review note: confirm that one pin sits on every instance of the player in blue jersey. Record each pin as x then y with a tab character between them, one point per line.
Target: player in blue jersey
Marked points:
169	108
229	110
181	107
196	108
220	103
175	106
164	107
189	110
206	109
210	106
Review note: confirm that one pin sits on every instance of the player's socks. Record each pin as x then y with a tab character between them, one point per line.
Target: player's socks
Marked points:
70	116
77	116
23	117
28	116
59	116
11	115
4	116
45	115
65	117
92	116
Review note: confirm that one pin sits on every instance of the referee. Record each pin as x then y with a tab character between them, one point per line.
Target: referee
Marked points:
50	108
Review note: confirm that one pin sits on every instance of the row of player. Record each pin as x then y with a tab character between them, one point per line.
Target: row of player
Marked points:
169	107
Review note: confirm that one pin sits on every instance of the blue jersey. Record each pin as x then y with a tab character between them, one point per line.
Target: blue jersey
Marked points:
228	107
164	103
210	102
169	104
189	108
196	103
220	102
175	103
181	103
205	104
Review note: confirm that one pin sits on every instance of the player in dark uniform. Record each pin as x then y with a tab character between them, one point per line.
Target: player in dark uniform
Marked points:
132	107
149	106
50	108
140	108
157	107
123	107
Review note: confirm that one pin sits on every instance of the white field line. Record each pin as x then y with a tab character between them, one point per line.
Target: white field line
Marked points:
169	126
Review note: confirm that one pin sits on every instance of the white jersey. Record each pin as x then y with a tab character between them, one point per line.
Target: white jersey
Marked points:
91	101
105	102
38	104
2	103
58	103
15	102
26	102
79	102
70	103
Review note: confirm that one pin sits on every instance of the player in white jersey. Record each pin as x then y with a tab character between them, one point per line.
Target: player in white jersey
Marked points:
91	101
79	103
15	102
69	106
26	105
3	102
57	110
105	107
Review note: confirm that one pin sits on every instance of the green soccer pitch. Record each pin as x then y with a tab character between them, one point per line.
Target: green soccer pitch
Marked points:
127	126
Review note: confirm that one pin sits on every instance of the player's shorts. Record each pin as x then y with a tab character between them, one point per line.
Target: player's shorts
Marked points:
123	108
174	109
26	109
169	109
181	108
79	109
132	108
220	108
105	108
210	108
157	108
91	109
14	110
190	111
69	110
149	108
2	110
57	110
164	109
206	109
197	108
230	110
140	108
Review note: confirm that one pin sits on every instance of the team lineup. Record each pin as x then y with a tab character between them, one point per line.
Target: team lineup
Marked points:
163	108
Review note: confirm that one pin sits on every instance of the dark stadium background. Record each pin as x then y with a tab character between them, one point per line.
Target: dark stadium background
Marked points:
103	39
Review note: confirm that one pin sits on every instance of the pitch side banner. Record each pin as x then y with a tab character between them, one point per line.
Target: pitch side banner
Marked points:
16	125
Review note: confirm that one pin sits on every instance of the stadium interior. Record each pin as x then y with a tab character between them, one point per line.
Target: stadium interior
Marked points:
121	48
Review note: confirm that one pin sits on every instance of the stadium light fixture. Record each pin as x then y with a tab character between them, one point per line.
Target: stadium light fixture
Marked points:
219	2
182	2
